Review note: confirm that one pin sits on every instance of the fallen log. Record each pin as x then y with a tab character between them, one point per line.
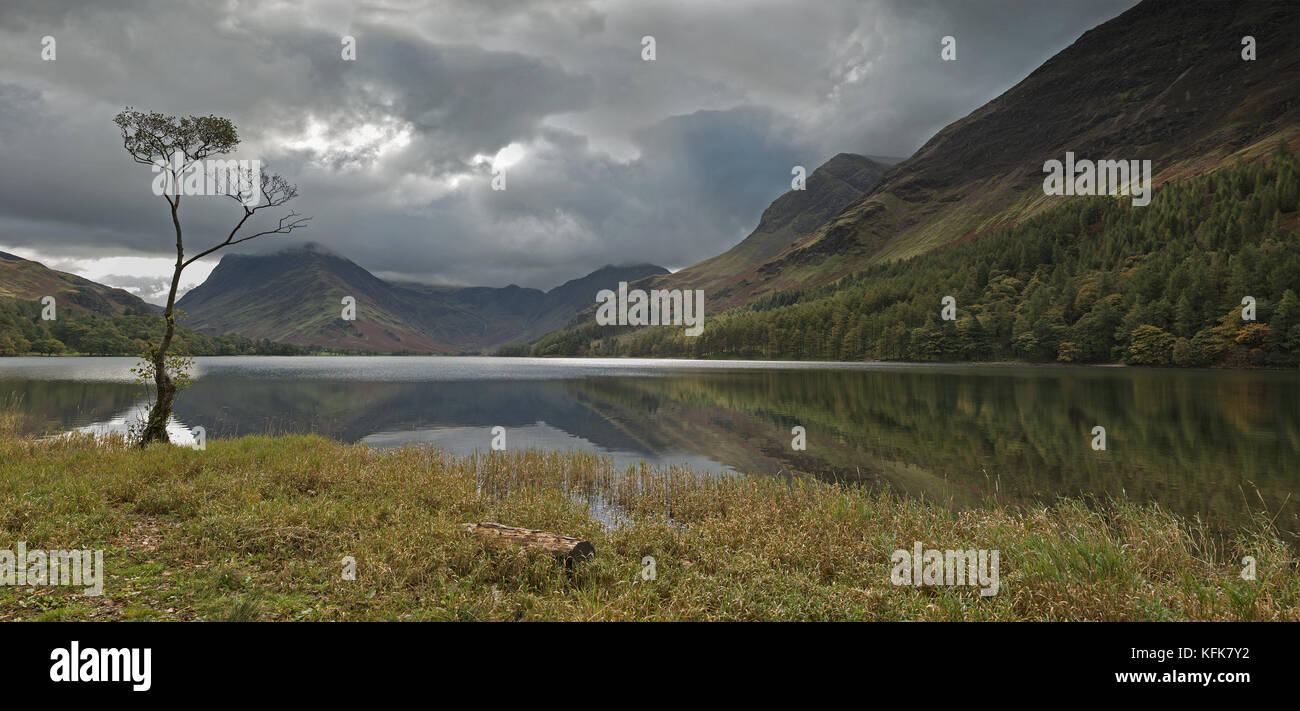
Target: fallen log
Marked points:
563	547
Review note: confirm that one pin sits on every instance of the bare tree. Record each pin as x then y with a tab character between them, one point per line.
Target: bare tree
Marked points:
175	146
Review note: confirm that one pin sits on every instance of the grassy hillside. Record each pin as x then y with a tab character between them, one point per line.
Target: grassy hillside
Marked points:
256	529
1165	82
25	279
1094	280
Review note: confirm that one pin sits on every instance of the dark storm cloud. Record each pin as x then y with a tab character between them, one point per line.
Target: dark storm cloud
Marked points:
615	160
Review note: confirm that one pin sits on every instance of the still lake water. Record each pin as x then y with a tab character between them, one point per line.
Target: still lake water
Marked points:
1214	444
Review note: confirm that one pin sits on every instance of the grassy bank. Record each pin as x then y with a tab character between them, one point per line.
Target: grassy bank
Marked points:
256	528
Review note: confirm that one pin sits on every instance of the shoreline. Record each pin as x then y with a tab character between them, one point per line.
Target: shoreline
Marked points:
255	528
808	363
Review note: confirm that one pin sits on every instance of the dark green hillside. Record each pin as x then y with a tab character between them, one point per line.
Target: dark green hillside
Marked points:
1095	280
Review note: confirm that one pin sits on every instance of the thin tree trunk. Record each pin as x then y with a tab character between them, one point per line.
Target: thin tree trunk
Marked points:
155	429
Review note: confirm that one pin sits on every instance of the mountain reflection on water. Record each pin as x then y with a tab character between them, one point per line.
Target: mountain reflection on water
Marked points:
1209	443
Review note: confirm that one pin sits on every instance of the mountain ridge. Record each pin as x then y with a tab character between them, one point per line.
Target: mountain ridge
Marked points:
26	279
1158	83
296	296
1190	104
829	189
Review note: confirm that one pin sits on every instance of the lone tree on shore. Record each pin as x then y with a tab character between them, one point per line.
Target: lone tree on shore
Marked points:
174	147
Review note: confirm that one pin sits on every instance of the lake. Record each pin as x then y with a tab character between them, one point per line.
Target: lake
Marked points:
1210	443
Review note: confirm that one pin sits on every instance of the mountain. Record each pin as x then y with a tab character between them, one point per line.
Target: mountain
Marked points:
1164	81
26	280
1049	278
563	302
514	314
94	319
295	296
793	216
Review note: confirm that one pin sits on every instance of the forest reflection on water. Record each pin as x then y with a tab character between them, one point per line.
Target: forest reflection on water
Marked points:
1214	444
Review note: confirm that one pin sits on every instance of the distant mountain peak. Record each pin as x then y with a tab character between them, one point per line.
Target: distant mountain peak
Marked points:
835	184
313	247
608	274
626	266
293	295
288	248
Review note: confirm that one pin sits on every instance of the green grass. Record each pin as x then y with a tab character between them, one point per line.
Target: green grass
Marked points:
256	529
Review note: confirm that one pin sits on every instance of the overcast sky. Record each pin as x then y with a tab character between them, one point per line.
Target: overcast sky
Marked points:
608	158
